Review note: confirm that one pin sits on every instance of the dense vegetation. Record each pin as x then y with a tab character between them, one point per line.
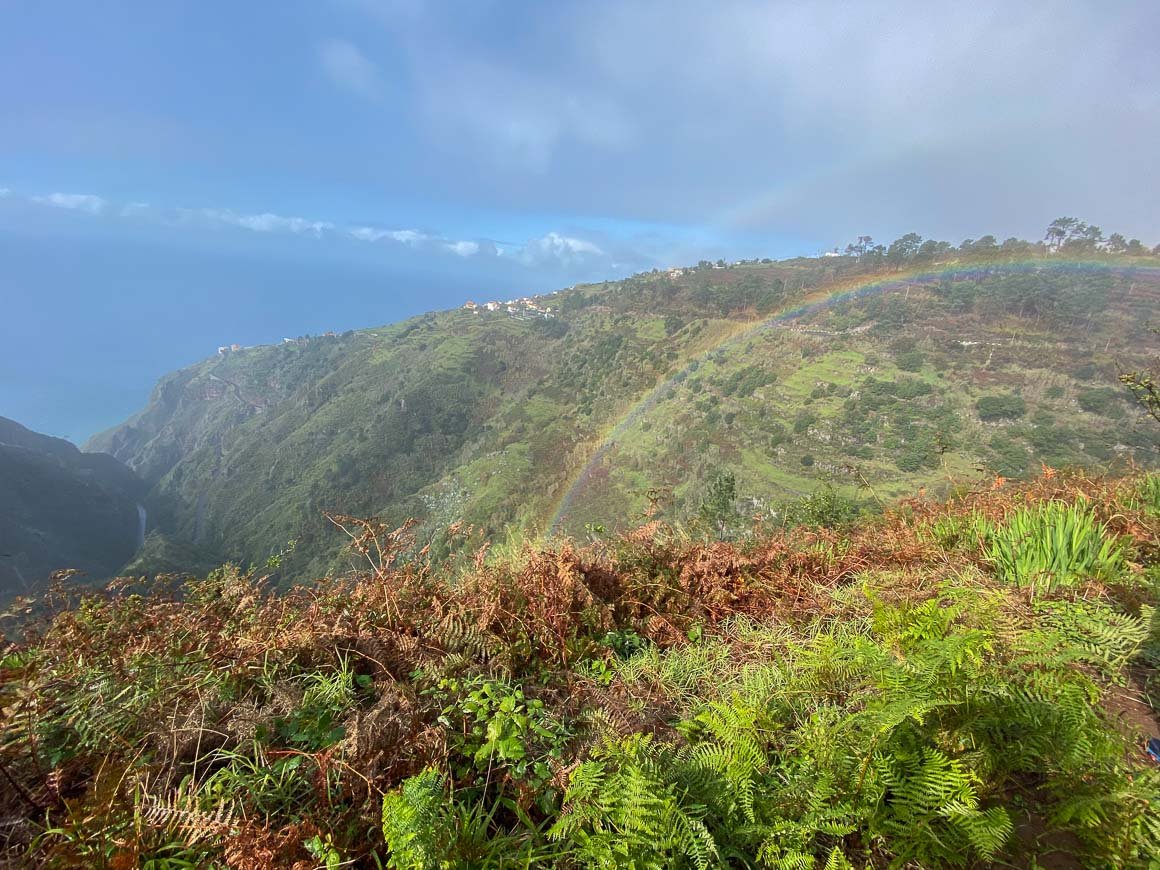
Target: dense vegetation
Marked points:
1002	356
949	684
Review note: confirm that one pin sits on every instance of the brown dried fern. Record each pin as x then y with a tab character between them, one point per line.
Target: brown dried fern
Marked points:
176	816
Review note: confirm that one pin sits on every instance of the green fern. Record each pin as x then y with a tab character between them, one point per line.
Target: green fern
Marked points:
414	819
625	808
1107	638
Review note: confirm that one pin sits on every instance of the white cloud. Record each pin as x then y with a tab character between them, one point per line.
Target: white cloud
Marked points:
131	209
367	234
552	249
409	237
73	201
266	222
463	249
413	238
5	192
566	250
349	68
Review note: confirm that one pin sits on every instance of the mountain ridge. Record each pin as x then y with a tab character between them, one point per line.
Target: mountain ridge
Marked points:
62	508
501	420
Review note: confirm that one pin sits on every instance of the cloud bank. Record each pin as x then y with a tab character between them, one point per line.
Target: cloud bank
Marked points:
550	249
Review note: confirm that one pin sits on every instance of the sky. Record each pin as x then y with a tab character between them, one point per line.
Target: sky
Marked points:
179	175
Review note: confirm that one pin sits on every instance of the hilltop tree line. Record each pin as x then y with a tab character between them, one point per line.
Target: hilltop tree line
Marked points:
1066	235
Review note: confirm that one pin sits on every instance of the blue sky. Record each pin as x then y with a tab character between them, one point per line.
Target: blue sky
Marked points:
178	175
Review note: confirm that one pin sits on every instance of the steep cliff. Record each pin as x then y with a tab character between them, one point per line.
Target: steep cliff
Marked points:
63	508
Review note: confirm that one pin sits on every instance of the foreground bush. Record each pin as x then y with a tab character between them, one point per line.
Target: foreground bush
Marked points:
951	685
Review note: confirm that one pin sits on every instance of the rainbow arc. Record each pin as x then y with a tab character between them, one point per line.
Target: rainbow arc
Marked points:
817	299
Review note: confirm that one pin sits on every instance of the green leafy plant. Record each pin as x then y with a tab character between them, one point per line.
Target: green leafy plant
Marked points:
316	722
495	725
718	509
428	827
1051	545
323	851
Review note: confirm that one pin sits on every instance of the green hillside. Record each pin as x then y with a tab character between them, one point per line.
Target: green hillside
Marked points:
61	508
633	396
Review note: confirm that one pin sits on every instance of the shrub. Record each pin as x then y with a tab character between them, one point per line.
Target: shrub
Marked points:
803	421
496	728
777	434
823	508
1010	456
917	454
719	505
993	408
1101	400
911	361
912	388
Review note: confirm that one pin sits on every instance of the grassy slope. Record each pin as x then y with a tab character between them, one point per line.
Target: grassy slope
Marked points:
885	695
490	420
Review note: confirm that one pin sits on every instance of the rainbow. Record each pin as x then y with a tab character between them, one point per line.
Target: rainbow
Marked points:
817	299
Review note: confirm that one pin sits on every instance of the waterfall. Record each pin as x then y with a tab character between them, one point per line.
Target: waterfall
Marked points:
140	526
